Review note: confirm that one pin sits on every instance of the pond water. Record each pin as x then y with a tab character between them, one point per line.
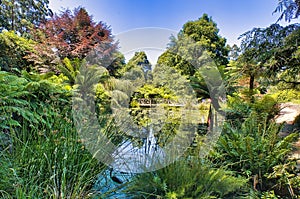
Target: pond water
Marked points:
129	160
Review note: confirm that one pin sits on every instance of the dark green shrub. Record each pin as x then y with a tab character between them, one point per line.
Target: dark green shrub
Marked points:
238	110
255	150
45	157
186	178
266	107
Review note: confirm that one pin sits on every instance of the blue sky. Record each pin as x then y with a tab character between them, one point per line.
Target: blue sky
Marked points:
233	17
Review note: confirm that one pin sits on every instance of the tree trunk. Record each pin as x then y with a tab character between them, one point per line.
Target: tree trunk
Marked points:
251	88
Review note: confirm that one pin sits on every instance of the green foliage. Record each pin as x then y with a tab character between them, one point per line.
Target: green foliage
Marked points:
267	53
139	60
53	162
238	110
14	101
171	59
21	16
269	195
285	61
255	149
198	48
50	163
149	91
205	32
288	95
186	178
13	49
102	99
289	9
286	177
44	156
70	68
7	176
266	107
87	79
116	65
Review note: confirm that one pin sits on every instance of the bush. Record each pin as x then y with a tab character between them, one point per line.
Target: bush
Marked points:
266	107
287	95
186	178
13	49
256	150
238	110
44	157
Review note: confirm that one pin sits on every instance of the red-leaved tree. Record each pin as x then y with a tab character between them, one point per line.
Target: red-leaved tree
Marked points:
73	35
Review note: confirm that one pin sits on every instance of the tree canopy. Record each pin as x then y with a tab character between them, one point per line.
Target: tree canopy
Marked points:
198	40
21	16
267	52
289	9
205	32
76	34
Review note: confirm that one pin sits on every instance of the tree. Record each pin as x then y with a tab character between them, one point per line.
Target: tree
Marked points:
140	61
205	31
289	9
20	16
234	52
116	65
250	67
258	48
198	44
284	64
76	35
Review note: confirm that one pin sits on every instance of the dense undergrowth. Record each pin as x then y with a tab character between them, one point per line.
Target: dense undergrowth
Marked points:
42	155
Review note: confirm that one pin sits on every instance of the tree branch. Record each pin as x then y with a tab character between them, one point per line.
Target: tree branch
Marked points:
288	82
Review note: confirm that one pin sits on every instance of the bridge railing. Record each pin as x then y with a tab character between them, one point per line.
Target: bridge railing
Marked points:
157	101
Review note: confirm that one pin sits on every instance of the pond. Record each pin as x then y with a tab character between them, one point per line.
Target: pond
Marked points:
131	159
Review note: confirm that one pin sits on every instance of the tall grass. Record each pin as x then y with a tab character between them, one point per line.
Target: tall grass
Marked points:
49	163
43	156
189	177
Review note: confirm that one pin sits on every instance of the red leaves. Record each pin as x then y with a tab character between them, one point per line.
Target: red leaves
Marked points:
75	34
